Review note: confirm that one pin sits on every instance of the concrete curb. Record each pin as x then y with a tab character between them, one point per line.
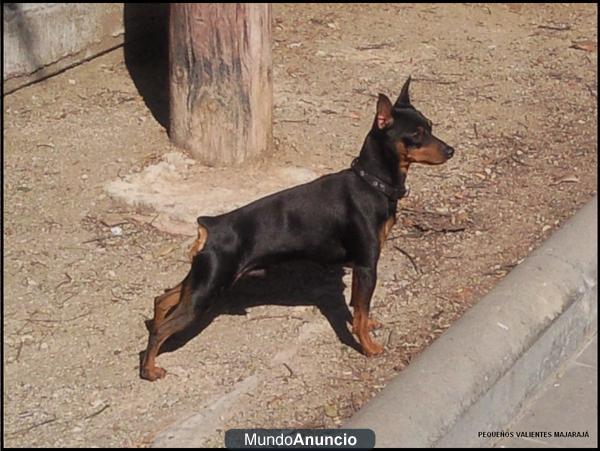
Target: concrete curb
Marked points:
476	376
43	39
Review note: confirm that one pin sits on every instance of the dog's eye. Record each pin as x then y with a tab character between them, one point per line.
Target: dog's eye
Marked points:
418	135
414	139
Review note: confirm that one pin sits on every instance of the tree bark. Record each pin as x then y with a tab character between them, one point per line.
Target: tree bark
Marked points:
220	80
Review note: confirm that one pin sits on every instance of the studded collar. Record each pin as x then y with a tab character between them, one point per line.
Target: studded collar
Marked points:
392	192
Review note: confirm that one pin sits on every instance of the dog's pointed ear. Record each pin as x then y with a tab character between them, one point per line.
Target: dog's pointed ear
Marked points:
404	98
384	117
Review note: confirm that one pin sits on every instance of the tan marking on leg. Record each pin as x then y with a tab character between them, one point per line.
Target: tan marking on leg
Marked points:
360	327
372	324
179	319
163	304
199	243
384	230
360	320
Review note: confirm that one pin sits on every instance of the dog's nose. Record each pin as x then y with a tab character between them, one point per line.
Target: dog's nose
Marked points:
449	151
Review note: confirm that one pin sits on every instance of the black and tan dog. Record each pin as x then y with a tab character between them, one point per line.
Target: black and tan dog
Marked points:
338	218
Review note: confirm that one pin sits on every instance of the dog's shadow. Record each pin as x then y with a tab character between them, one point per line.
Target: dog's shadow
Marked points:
290	284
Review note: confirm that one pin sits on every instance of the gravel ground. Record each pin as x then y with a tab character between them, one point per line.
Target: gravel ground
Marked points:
511	87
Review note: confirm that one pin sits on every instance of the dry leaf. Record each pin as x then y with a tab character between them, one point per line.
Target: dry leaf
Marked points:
588	45
568	179
112	220
331	411
165	250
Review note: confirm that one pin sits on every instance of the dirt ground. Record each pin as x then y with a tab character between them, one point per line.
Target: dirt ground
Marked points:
512	88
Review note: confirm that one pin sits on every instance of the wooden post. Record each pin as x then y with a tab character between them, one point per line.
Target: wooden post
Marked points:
221	84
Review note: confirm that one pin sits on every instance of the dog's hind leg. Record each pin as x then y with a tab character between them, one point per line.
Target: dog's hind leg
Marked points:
184	307
163	304
182	315
166	301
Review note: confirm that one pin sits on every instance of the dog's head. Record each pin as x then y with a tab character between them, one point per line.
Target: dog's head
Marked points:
408	132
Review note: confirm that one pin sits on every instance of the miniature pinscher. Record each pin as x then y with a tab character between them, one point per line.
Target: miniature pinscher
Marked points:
341	218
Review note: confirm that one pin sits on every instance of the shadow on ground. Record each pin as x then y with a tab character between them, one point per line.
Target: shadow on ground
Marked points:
290	284
146	52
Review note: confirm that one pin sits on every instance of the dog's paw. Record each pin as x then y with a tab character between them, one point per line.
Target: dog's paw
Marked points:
373	349
151	374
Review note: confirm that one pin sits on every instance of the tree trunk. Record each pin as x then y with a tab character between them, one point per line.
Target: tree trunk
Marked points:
221	90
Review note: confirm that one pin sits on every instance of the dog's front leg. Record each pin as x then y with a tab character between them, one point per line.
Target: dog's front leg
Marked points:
363	285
